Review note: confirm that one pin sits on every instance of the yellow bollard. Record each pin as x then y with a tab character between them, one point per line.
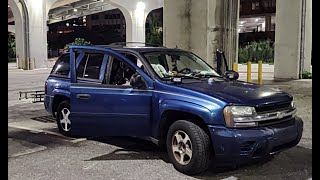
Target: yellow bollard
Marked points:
249	71
28	63
259	72
235	67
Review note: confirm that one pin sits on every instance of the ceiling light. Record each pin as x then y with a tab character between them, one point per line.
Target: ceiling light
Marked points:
75	10
141	5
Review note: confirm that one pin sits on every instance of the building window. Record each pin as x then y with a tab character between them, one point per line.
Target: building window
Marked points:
266	4
273	4
95	17
255	5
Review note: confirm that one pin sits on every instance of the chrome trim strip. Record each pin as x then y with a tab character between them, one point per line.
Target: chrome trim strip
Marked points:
266	116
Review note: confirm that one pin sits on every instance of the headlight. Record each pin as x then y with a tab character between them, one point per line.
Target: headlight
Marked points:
239	116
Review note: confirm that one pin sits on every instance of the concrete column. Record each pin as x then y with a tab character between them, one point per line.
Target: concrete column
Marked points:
203	27
12	28
268	23
293	38
307	37
17	11
135	13
37	33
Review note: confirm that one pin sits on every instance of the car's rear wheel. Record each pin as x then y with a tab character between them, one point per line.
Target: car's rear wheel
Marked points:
63	118
188	147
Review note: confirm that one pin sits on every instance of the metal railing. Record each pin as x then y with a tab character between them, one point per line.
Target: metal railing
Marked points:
36	96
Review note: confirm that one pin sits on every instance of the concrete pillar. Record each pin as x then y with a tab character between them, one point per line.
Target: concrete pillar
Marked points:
12	28
203	27
37	33
268	23
135	13
17	10
293	38
307	37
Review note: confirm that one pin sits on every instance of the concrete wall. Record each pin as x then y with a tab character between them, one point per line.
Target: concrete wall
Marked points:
293	38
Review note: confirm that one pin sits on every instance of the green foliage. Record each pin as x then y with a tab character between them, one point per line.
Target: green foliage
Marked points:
155	35
306	75
79	42
11	48
256	51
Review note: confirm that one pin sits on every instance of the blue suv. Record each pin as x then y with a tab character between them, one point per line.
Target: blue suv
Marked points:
173	98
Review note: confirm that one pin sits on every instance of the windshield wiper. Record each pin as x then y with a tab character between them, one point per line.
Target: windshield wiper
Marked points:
187	77
208	75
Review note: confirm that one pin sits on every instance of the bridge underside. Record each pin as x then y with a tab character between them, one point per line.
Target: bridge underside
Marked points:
199	27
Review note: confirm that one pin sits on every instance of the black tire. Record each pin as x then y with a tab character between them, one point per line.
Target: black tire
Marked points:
62	106
200	143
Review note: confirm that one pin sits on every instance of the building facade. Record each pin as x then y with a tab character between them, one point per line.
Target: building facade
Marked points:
112	19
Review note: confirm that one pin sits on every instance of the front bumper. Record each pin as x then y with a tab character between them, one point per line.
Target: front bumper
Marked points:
240	145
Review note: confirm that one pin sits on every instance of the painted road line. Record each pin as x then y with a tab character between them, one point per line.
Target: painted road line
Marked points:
18	147
230	178
37	131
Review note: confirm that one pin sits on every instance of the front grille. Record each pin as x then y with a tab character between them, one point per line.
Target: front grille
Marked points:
273	107
275	121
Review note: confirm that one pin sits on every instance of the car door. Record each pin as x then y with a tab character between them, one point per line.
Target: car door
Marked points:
108	105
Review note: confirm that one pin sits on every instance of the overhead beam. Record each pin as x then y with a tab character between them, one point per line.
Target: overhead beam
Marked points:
63	2
80	13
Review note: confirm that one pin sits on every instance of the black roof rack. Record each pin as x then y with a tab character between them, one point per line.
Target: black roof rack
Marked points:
134	44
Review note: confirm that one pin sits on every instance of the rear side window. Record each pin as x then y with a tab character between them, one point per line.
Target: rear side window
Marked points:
62	66
90	66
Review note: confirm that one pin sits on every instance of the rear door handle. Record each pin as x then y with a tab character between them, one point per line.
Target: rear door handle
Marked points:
83	96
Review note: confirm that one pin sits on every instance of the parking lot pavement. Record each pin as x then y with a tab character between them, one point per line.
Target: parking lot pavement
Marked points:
130	158
38	151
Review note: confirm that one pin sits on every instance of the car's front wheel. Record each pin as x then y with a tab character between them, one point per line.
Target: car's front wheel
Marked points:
63	118
188	147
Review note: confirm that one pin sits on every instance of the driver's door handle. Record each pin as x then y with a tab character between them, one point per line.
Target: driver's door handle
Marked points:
83	96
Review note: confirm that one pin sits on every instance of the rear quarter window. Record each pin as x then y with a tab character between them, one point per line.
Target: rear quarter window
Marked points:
62	66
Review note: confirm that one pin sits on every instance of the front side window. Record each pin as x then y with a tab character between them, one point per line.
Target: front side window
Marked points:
90	66
121	73
179	63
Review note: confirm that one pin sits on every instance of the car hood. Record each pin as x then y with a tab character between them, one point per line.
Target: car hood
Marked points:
238	92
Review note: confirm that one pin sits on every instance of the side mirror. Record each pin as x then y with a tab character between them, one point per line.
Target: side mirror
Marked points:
137	82
231	75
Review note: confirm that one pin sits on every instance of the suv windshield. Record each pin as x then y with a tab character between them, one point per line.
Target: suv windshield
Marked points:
179	64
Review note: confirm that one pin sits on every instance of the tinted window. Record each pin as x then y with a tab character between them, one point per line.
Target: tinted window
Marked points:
90	66
62	66
121	73
82	65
